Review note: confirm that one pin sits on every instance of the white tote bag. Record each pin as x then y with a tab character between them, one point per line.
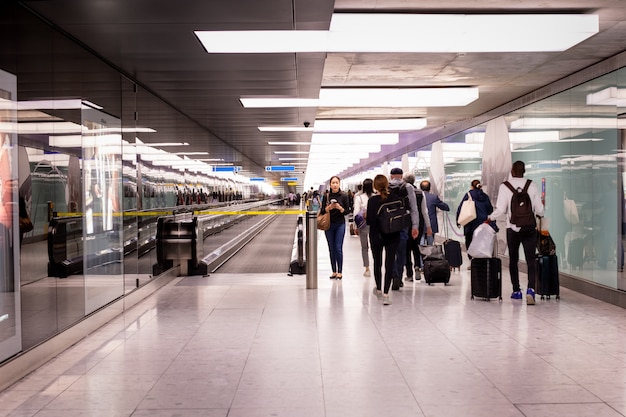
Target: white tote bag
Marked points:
468	211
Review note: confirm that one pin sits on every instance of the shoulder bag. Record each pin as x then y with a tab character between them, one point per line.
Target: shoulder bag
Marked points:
468	211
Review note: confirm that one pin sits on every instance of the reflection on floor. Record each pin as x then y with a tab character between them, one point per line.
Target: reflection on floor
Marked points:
262	345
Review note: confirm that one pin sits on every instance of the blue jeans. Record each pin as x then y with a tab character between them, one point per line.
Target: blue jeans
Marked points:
334	237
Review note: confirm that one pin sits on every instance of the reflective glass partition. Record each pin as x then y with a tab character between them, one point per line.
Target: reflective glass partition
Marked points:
10	314
573	147
103	232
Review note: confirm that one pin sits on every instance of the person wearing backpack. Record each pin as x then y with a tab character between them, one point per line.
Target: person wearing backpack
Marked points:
380	240
399	188
413	244
520	200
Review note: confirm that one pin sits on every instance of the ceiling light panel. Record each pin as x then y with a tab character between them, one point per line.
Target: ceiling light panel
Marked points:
414	33
373	97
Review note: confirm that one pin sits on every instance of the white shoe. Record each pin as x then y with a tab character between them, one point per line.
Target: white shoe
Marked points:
386	299
378	293
366	273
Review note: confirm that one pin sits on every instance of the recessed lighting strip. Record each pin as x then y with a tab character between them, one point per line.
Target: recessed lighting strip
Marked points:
373	97
414	33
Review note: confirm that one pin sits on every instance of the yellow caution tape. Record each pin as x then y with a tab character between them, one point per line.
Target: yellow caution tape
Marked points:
169	213
237	213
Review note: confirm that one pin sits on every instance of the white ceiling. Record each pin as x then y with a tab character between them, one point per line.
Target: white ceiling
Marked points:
152	41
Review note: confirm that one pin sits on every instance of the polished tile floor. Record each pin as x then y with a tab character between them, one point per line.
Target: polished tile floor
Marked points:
262	345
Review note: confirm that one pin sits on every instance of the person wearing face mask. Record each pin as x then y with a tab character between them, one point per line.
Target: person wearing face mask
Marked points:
336	202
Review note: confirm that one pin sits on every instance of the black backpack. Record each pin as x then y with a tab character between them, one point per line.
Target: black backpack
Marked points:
522	214
400	192
392	215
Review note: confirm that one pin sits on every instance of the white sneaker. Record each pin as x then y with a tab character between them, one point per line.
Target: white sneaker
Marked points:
366	273
378	293
386	300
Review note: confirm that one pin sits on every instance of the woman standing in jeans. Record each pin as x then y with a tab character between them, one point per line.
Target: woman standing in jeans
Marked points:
336	201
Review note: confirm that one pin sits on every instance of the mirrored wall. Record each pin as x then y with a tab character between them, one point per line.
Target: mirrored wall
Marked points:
83	147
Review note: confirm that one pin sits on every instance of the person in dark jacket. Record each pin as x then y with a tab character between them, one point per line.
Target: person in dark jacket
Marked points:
379	241
483	210
433	202
336	201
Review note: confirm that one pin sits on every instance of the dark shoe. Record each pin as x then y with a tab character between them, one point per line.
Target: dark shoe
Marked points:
339	276
333	276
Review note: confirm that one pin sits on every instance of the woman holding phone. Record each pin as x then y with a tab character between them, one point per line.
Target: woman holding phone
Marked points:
336	202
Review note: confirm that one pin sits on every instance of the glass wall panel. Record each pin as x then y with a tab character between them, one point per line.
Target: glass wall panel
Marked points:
103	217
573	147
10	320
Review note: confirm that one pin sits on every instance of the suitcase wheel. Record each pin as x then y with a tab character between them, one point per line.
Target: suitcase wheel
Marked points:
472	297
558	297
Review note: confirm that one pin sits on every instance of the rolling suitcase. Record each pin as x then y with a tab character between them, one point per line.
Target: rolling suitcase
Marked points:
547	276
452	250
486	277
436	270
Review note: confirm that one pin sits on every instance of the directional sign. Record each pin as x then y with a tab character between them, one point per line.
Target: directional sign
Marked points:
294	179
260	179
224	169
280	168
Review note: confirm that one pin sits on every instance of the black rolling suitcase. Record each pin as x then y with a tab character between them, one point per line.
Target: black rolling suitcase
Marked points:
452	251
436	270
547	284
451	247
486	274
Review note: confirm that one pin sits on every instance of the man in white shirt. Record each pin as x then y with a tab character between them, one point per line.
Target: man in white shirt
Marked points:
516	235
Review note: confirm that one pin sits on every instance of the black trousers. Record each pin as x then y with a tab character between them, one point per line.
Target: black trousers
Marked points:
390	246
528	240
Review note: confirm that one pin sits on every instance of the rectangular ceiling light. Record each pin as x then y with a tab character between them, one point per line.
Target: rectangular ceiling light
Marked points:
383	125
414	33
568	123
373	97
338	125
285	129
355	138
611	96
289	143
518	137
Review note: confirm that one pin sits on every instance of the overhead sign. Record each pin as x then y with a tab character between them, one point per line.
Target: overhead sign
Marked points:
280	168
224	169
289	179
257	179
